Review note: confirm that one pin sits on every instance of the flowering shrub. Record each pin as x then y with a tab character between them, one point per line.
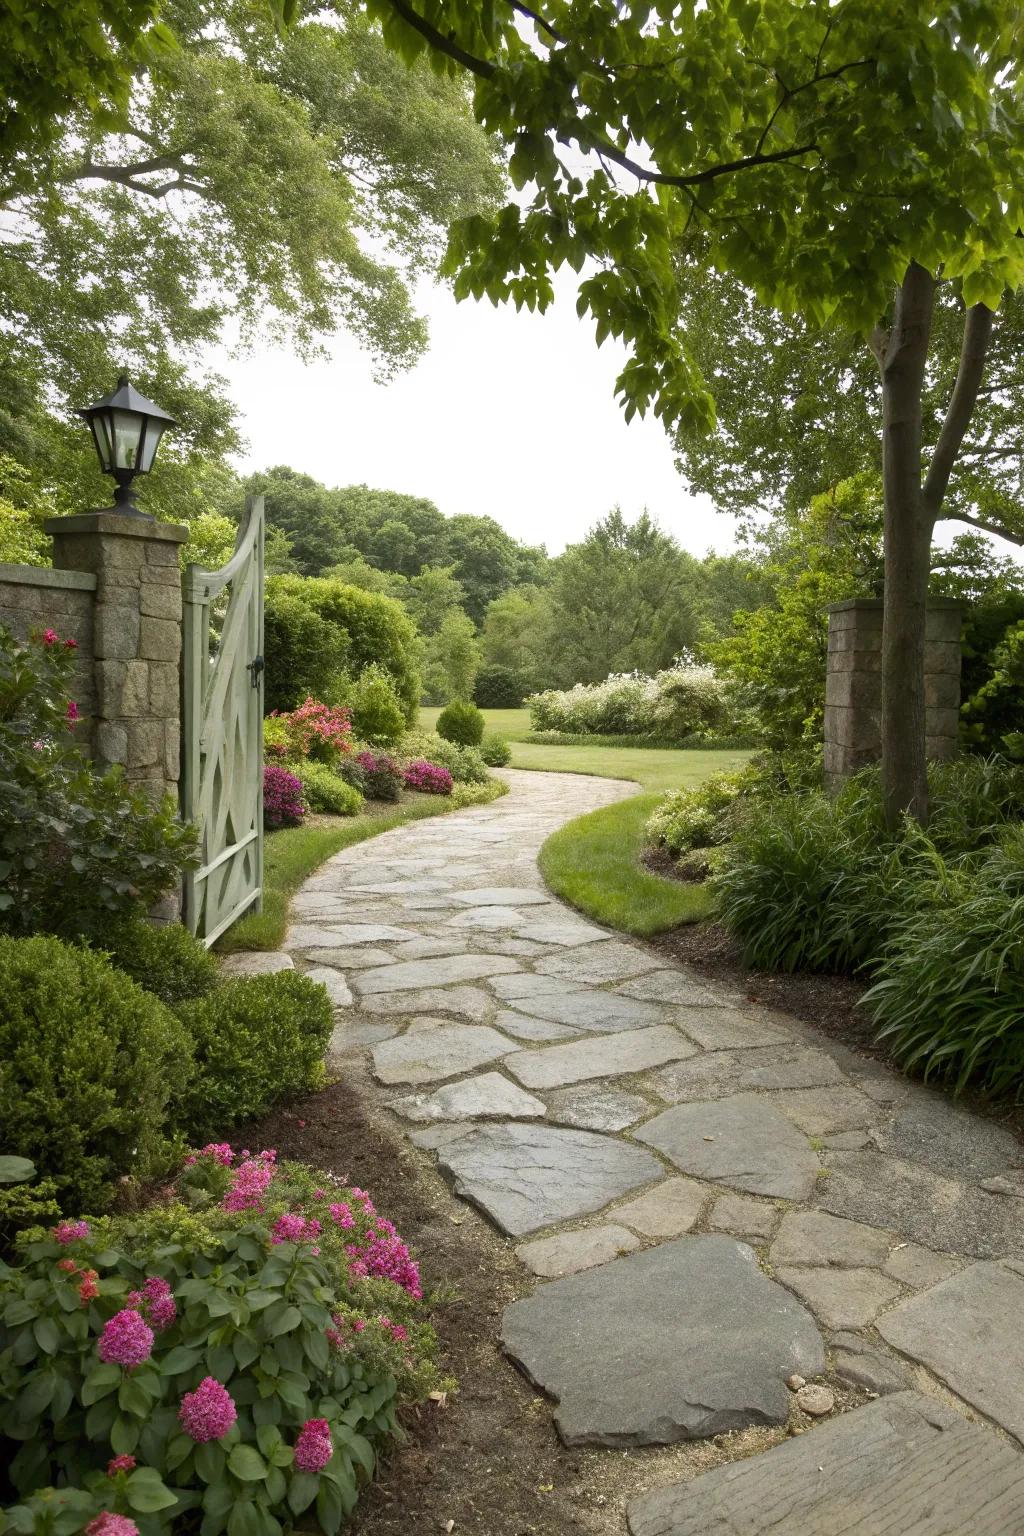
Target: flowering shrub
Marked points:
255	1401
673	704
283	805
700	816
429	778
76	847
381	775
465	764
322	732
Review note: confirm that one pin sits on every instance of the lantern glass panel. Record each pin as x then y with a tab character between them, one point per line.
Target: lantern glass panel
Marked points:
154	431
100	427
129	427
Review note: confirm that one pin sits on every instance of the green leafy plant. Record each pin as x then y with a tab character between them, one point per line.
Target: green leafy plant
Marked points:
462	723
498	687
495	750
22	1203
256	1039
166	961
91	1068
76	848
699	816
325	790
465	764
376	708
382	775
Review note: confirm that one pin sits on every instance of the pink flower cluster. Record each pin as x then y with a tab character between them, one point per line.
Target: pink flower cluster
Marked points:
293	1228
50	638
283	805
118	1464
382	1253
208	1412
156	1301
220	1151
320	730
313	1448
106	1523
127	1339
70	1231
250	1182
428	778
341	1214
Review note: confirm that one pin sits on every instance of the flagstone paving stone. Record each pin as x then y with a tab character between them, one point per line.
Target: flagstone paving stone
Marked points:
968	1331
524	1028
742	1142
337	987
526	1177
637	1050
904	1466
684	1340
256	962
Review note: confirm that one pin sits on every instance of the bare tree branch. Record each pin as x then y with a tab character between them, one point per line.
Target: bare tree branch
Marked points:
985	526
977	335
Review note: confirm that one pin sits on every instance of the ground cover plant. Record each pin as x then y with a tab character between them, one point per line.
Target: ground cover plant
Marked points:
234	1353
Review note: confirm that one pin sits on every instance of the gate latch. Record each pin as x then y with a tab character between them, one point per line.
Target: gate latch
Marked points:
255	666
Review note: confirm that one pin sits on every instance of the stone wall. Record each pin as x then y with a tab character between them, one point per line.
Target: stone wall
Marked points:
37	598
853	685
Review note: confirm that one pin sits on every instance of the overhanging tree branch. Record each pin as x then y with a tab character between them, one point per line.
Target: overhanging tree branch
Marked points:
977	335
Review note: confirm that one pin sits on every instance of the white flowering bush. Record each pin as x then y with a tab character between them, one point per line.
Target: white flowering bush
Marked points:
682	701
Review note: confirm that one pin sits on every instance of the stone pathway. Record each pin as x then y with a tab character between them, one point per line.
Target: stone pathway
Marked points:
714	1198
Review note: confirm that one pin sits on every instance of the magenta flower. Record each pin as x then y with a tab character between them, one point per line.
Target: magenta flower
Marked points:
251	1180
341	1215
72	711
106	1523
70	1231
159	1303
313	1448
126	1340
293	1228
283	805
208	1412
428	778
220	1151
50	637
120	1464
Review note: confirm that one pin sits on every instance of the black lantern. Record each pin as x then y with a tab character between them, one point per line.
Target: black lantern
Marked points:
126	428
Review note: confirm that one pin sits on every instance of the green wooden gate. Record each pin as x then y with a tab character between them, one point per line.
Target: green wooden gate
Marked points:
222	732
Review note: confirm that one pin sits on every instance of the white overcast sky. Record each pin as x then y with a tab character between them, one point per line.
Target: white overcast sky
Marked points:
509	414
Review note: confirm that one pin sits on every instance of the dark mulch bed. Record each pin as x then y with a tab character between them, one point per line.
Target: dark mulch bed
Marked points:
489	1460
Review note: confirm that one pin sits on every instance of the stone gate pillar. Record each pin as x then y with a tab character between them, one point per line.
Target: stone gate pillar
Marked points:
136	639
853	685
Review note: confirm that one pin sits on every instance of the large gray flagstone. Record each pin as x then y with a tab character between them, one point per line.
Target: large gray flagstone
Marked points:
841	1298
356	957
488	1096
824	1111
679	1342
742	1142
931	1130
407	975
605	962
596	1107
336	986
590	1009
673	986
487	918
310	935
523	1028
812	1237
560	929
256	962
719	1074
968	1331
903	1466
636	1050
528	1176
438	1051
502	896
466	1002
725	1029
527	984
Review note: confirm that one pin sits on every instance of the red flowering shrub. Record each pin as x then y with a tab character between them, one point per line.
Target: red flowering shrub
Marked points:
283	805
428	778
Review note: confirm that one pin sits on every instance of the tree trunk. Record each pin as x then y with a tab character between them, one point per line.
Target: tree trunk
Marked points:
908	534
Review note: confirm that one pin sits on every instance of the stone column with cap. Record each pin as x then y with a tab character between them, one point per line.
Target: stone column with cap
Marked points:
136	638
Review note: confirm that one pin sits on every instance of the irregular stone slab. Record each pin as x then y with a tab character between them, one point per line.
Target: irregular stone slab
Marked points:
968	1331
904	1466
256	962
841	1298
849	1141
349	957
670	987
916	1203
608	962
487	917
742	1142
725	1029
487	1097
440	1051
436	1136
823	1111
526	1177
595	1107
337	987
862	1363
427	948
668	1210
920	1267
523	1028
933	1131
811	1237
678	1342
593	1011
507	944
410	975
569	1252
316	935
554	931
744	1216
719	1074
503	896
353	1032
467	1002
599	1056
526	984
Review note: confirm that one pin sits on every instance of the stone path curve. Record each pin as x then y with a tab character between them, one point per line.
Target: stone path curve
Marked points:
713	1197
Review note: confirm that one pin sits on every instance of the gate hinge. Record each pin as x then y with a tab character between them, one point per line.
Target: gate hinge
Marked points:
255	666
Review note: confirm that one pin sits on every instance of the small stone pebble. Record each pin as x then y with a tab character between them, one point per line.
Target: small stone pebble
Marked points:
794	1382
816	1401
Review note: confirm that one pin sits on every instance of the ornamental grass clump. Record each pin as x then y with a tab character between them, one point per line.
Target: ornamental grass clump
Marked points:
181	1368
